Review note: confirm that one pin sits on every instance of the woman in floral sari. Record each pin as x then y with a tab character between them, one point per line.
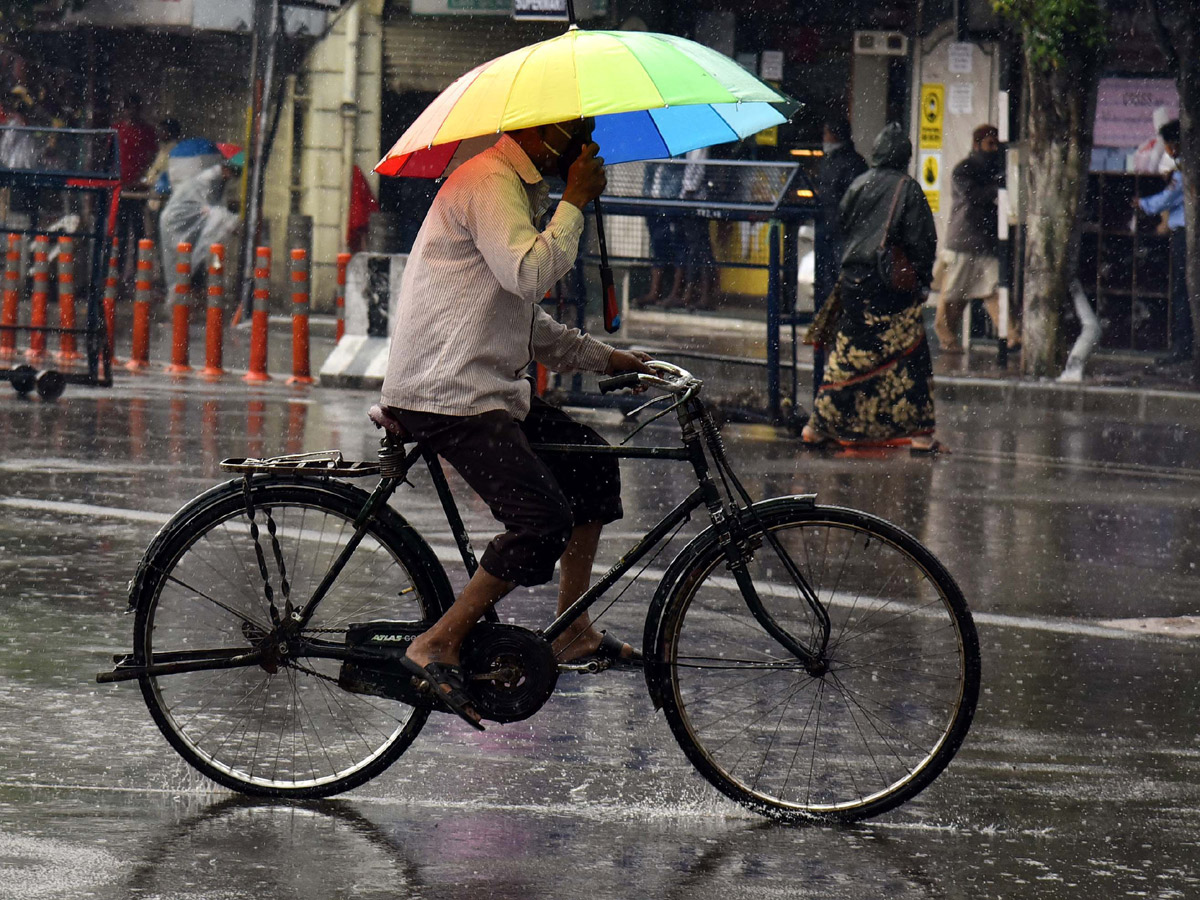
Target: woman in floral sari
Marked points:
878	381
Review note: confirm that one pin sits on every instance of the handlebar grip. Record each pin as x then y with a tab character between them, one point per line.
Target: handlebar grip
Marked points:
618	382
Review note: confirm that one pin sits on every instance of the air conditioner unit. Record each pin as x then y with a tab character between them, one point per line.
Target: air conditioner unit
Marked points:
880	43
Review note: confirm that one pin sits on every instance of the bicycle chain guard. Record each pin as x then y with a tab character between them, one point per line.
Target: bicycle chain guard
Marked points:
511	672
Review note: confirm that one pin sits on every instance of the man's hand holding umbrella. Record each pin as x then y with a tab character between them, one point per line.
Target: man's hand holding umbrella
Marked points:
585	179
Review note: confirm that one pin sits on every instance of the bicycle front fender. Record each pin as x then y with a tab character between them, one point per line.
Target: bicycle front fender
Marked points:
702	544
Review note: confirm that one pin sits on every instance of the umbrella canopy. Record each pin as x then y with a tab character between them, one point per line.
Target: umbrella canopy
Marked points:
652	96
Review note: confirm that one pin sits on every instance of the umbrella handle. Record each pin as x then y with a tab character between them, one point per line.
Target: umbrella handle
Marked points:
612	313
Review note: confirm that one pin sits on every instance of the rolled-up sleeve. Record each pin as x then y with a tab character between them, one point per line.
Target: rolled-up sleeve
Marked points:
525	261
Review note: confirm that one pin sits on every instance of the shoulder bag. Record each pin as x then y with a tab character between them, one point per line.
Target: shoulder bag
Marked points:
896	271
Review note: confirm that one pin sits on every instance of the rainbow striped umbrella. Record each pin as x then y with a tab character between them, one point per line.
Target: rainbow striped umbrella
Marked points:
652	95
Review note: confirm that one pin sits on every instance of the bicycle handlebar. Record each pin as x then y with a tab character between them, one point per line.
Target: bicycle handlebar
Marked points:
672	380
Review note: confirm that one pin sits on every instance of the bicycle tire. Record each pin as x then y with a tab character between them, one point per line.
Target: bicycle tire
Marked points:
860	739
292	732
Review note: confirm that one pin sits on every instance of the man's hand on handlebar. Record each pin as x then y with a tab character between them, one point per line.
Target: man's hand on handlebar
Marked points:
629	361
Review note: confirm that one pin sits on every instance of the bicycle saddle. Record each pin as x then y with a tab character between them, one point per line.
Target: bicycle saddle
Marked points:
384	418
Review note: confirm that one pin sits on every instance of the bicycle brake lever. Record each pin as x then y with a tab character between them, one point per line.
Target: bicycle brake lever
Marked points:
674	406
659	399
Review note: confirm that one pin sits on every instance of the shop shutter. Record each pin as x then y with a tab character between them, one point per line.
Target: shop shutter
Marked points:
426	53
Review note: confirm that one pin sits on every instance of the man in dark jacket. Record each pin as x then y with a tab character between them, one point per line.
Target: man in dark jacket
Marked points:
840	165
970	256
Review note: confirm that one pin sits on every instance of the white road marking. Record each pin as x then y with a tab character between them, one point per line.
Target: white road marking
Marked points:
448	553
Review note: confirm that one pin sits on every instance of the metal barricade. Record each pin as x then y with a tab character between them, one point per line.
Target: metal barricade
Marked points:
58	183
740	217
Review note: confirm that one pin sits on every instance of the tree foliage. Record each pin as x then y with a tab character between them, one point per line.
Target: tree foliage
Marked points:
1055	32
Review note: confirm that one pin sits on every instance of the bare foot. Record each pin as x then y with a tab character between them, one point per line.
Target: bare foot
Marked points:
812	437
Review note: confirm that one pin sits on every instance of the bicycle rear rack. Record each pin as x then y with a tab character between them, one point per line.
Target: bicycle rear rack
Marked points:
321	462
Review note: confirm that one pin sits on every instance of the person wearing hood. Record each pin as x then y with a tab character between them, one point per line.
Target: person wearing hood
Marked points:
877	387
971	256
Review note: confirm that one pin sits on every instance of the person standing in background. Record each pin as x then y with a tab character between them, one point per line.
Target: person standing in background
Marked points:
1171	201
878	384
156	178
971	256
136	146
840	165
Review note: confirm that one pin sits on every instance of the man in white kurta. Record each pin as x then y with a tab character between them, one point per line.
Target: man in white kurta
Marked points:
467	325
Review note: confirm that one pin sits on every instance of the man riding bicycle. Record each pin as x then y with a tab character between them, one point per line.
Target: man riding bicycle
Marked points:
467	325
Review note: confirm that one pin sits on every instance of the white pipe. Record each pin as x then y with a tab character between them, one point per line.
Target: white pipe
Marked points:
1073	373
349	112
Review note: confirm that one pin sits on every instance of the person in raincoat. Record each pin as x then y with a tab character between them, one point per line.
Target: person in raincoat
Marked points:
878	382
196	213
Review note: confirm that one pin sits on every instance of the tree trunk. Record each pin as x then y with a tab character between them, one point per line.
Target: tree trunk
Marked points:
1059	124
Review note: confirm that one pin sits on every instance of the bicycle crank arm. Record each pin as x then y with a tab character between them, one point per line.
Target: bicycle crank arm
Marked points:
180	662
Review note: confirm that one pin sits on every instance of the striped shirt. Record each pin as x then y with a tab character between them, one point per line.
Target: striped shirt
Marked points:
468	320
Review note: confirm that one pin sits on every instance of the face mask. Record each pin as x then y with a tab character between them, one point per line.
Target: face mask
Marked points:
569	153
828	147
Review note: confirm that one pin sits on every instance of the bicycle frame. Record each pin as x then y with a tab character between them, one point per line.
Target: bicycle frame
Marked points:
396	462
726	520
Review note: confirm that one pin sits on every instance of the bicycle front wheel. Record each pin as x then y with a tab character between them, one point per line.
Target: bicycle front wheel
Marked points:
878	725
284	728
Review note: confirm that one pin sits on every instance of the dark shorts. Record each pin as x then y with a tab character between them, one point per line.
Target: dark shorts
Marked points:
538	498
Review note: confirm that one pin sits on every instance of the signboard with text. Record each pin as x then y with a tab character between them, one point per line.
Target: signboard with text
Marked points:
1125	109
932	116
529	10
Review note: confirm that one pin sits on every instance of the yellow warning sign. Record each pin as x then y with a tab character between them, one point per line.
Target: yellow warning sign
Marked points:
929	171
933	113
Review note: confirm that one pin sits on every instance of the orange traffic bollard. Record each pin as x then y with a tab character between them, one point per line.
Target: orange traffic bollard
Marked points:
139	356
343	261
67	348
301	371
213	337
180	312
41	297
259	318
111	281
12	297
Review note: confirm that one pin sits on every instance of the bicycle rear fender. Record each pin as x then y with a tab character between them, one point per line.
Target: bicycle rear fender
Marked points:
386	514
699	546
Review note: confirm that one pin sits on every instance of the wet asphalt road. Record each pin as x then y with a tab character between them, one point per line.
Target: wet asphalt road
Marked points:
1080	777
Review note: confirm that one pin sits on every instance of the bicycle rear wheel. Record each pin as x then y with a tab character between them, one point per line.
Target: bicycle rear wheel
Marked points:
282	729
856	740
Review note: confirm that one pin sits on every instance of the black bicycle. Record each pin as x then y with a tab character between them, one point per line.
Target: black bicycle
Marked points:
813	662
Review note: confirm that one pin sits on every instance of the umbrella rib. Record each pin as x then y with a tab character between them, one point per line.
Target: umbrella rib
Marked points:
733	131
